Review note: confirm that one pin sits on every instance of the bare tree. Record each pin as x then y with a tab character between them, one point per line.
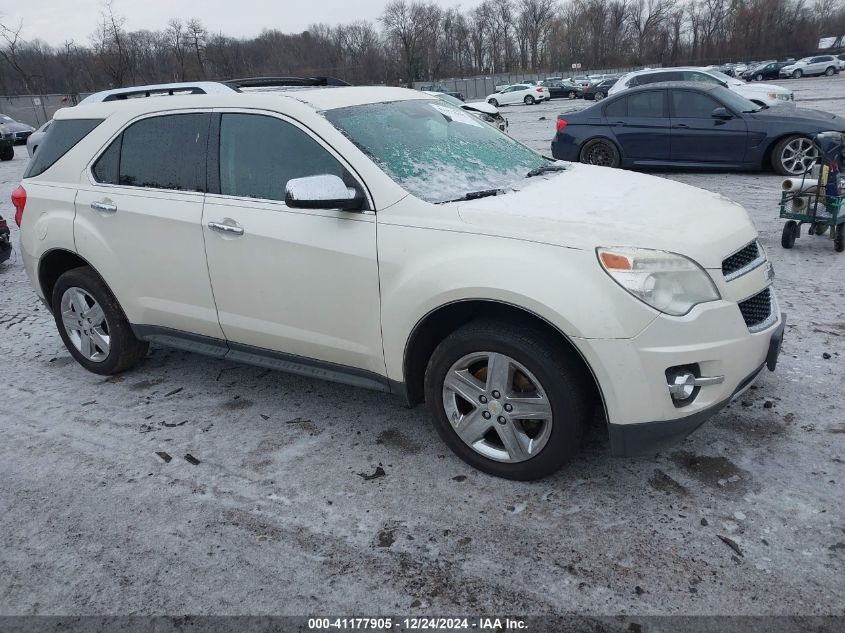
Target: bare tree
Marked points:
409	24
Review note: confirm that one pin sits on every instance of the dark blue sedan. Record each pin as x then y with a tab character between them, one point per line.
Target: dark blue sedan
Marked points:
692	125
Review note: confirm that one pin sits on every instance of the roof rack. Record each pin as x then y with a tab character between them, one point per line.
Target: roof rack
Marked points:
270	82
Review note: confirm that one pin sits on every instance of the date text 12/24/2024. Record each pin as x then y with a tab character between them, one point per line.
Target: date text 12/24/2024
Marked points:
417	624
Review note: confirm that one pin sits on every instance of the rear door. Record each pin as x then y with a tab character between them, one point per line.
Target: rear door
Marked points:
640	124
138	220
698	136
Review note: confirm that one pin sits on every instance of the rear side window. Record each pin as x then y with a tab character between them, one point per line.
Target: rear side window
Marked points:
616	108
163	152
646	104
61	136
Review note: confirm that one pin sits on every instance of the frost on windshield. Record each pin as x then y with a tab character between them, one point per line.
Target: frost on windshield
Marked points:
433	150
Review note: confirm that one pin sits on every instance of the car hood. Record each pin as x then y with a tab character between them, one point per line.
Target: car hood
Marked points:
788	113
615	208
481	106
15	126
761	88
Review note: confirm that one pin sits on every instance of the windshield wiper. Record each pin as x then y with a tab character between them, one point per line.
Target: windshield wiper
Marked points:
475	195
544	169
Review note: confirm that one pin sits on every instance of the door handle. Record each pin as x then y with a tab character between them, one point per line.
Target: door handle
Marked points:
104	207
681	125
620	124
224	227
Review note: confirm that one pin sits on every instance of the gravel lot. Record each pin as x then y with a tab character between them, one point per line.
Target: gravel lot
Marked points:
278	517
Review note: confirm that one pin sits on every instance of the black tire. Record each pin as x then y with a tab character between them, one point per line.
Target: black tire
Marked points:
839	240
599	96
818	229
529	100
600	151
493	103
562	380
829	71
758	77
797	74
7	153
125	350
572	95
790	232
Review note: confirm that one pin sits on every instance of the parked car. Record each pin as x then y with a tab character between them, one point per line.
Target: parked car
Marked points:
19	130
598	91
818	65
764	70
36	137
5	241
7	143
763	94
479	109
519	93
692	125
444	90
464	301
562	88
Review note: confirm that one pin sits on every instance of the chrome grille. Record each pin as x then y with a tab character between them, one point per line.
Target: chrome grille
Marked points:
748	257
757	310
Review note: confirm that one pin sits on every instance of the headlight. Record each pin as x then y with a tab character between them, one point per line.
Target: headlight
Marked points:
668	282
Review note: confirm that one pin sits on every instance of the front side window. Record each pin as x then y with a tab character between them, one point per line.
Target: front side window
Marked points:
694	105
433	150
259	154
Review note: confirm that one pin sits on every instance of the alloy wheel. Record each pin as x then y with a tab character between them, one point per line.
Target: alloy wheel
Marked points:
497	407
799	155
599	154
85	324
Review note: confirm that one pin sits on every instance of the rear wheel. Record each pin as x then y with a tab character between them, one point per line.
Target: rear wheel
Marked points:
794	155
529	100
599	96
7	153
493	103
92	324
600	152
829	71
839	240
571	94
507	401
790	232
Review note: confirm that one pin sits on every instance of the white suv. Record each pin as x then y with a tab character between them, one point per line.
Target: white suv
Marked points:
383	238
818	65
759	93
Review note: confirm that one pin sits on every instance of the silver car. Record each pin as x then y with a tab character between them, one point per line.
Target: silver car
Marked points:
818	65
35	138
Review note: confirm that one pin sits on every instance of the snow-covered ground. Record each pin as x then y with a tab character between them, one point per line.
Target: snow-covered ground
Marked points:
278	516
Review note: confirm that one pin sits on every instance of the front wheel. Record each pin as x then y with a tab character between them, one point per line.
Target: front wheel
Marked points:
599	96
493	103
797	74
571	95
829	71
839	239
601	152
92	324
508	401
7	153
790	232
529	100
758	77
794	155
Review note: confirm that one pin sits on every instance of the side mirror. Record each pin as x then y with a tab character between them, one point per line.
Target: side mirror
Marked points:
721	113
325	191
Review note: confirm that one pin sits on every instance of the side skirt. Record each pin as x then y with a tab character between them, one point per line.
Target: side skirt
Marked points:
270	359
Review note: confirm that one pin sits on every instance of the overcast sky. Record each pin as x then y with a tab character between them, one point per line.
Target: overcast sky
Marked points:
55	21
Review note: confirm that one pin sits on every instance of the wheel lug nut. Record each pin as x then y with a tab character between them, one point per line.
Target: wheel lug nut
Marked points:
482	399
501	419
496	394
486	415
508	407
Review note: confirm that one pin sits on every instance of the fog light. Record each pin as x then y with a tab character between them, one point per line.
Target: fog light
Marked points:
684	383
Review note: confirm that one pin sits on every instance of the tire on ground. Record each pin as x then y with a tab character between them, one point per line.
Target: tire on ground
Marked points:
125	350
588	153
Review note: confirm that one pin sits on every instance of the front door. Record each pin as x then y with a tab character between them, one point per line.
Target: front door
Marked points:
698	136
299	282
640	125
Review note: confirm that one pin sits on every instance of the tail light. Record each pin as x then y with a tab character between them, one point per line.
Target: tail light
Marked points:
19	202
561	123
538	89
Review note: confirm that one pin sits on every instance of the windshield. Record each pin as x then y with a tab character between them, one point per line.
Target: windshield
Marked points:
433	150
450	99
8	119
725	78
734	101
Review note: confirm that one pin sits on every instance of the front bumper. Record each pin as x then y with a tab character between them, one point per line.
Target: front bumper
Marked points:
629	440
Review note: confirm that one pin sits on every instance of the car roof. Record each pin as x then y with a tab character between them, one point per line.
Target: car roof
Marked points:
317	99
696	85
